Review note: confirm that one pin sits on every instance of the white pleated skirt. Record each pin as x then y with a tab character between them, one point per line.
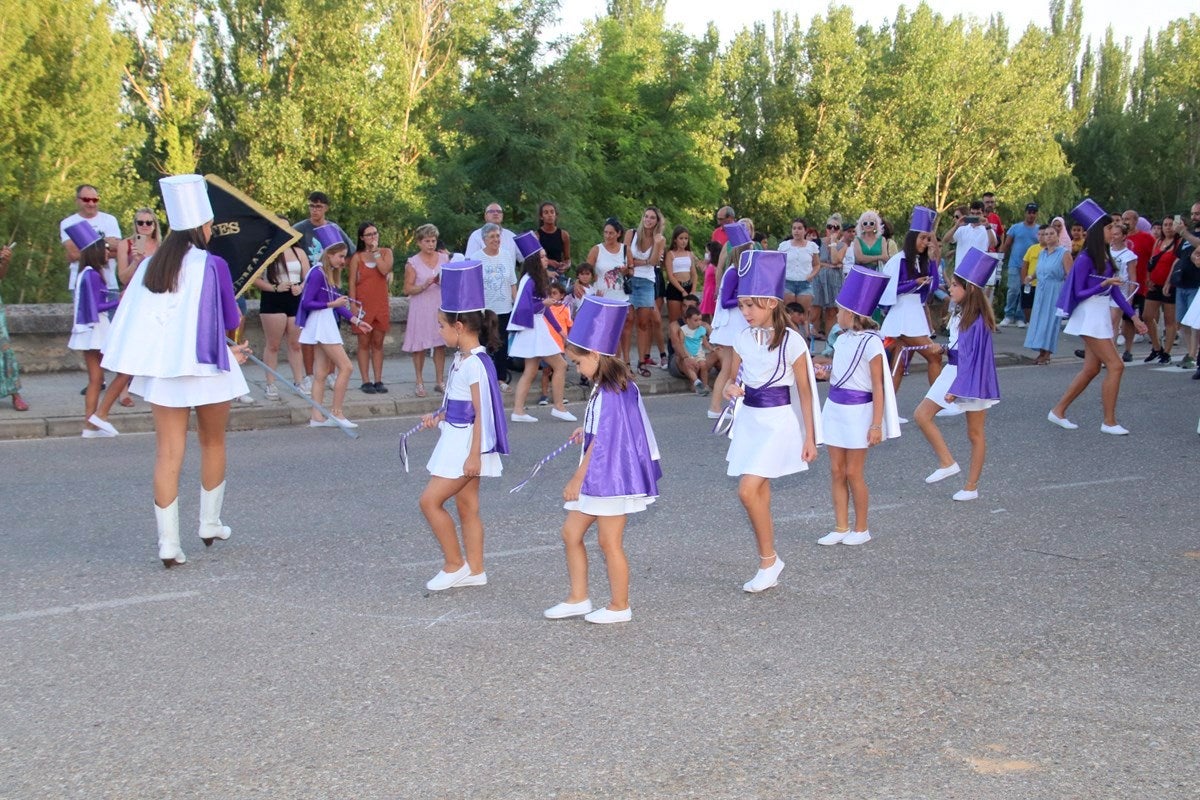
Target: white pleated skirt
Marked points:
453	447
726	328
846	425
906	318
321	327
1091	318
535	342
188	391
609	506
91	337
937	392
766	442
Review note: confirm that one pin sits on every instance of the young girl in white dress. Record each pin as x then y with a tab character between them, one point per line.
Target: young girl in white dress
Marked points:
618	469
319	303
912	278
530	326
860	411
89	330
471	421
778	427
169	333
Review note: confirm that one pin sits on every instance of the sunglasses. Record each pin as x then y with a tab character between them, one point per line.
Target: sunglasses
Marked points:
149	223
88	199
494	211
833	227
868	224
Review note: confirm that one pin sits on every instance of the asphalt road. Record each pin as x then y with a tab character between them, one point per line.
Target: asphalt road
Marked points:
1040	642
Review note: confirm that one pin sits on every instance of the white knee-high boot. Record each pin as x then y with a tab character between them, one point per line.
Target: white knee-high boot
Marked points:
210	515
168	534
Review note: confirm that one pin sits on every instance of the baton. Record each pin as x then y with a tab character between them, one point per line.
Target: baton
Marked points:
351	432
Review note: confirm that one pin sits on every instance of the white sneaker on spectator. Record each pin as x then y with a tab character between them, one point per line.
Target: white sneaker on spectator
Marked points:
306	385
1004	323
1022	323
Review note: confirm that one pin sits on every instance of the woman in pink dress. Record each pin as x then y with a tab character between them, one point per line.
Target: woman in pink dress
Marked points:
422	276
708	301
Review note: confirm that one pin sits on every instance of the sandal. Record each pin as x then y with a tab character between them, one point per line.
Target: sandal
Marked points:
643	371
439	388
19	403
126	401
420	392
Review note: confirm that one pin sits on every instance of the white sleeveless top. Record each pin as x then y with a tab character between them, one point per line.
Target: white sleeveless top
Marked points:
646	272
609	280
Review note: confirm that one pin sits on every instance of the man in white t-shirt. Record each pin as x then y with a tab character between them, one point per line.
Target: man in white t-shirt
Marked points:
973	230
493	213
87	203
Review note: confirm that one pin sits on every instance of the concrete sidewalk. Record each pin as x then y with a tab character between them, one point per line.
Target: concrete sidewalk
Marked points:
56	407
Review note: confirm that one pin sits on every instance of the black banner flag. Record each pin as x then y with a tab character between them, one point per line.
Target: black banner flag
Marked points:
245	234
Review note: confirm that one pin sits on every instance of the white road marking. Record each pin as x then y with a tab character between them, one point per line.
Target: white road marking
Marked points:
55	611
1099	482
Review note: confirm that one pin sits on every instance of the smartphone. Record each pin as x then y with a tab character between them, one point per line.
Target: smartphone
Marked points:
970	220
11	245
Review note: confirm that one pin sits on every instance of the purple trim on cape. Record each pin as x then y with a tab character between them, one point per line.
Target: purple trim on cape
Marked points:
317	295
88	290
498	416
905	286
524	308
729	288
218	314
849	397
553	322
621	463
767	396
976	377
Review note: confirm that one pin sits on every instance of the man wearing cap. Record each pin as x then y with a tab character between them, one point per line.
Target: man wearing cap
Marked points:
87	205
494	213
725	216
1020	237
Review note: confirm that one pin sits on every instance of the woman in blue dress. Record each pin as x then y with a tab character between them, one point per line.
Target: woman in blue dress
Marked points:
1053	263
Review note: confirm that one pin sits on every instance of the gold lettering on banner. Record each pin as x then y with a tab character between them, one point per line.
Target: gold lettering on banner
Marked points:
226	228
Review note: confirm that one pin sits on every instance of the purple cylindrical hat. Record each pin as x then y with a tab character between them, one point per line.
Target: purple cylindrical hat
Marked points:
761	274
977	267
527	244
736	234
1088	212
462	287
861	291
328	235
922	219
598	324
83	235
1144	225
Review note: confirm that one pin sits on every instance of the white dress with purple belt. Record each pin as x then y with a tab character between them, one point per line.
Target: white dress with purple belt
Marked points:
850	408
457	430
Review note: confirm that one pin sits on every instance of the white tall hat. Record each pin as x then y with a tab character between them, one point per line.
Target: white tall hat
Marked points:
186	200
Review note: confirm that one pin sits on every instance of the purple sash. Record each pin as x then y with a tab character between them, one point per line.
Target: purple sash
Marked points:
768	396
849	397
460	412
952	358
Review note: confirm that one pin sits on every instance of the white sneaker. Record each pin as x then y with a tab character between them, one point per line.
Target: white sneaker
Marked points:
271	392
1004	323
941	473
523	417
88	433
474	580
104	425
345	423
305	386
564	610
328	422
330	381
953	411
765	578
602	616
1120	339
966	494
565	416
1140	338
246	400
857	537
1022	323
444	580
902	420
1115	430
833	537
1061	422
714	414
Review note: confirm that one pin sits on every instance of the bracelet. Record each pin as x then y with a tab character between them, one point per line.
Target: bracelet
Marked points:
875	428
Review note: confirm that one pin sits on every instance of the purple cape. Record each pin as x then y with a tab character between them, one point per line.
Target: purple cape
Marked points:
218	313
729	288
498	415
621	462
1083	282
976	377
317	295
525	307
90	289
905	286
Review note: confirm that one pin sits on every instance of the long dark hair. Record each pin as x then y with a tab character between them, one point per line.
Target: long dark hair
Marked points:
974	305
613	373
361	247
532	266
915	264
95	255
1097	250
485	324
162	274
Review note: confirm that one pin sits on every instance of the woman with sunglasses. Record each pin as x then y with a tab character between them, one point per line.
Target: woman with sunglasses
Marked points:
870	247
827	282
